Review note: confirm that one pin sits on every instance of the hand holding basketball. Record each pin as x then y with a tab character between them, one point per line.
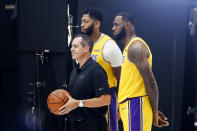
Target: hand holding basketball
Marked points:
56	99
69	106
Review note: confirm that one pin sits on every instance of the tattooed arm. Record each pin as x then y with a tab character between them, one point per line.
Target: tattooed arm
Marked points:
139	54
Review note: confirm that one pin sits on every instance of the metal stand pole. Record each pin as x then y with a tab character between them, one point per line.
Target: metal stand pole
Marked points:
36	111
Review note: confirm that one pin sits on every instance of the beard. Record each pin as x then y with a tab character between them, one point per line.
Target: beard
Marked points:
89	30
121	35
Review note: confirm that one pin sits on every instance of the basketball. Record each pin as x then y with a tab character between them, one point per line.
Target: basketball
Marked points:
56	99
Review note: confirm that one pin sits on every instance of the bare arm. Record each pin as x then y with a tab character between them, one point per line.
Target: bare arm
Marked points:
116	71
91	103
138	54
102	100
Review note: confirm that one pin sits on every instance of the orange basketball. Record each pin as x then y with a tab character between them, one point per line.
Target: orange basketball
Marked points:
56	99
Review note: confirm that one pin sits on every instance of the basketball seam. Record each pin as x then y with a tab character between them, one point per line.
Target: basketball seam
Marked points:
61	100
57	96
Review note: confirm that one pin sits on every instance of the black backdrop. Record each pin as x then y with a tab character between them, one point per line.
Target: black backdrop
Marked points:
43	25
163	25
38	25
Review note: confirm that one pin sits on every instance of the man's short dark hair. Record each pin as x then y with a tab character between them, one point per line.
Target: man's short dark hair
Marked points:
126	16
94	13
86	40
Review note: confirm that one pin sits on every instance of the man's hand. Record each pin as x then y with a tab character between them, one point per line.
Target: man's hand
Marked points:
69	106
159	119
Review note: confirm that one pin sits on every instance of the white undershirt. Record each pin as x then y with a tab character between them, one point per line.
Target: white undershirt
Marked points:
111	52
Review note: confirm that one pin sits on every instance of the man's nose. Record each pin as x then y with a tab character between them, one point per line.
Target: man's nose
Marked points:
82	25
71	48
113	28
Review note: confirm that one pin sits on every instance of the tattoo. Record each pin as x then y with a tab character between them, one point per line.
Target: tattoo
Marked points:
138	54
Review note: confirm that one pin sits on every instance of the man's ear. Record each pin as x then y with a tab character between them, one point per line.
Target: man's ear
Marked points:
127	25
86	48
97	24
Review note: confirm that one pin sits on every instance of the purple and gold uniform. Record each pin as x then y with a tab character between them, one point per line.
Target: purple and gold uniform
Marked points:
134	104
